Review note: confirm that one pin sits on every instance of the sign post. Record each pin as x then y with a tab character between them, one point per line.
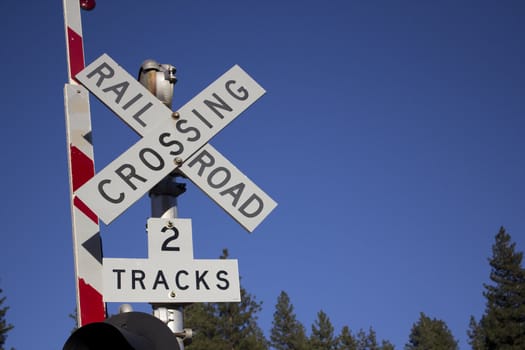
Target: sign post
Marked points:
164	205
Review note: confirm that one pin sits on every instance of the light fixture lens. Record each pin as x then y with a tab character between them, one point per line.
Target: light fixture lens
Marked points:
88	4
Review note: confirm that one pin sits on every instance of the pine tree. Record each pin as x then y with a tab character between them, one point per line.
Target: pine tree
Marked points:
322	337
287	332
502	326
226	326
345	340
4	326
432	334
476	339
386	345
202	320
369	341
238	323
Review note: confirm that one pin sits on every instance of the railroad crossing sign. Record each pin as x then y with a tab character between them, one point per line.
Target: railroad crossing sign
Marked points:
172	140
170	274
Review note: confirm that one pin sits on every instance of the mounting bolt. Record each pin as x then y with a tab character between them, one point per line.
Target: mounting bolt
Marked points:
175	115
173	294
178	160
169	224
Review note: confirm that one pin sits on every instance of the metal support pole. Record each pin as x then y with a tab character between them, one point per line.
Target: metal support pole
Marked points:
159	80
164	205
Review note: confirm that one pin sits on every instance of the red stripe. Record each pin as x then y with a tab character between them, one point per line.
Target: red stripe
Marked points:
91	304
76	52
85	209
82	167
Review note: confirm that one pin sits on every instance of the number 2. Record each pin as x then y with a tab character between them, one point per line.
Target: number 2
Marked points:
166	244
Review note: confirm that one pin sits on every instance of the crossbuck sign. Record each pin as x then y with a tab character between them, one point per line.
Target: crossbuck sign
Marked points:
172	140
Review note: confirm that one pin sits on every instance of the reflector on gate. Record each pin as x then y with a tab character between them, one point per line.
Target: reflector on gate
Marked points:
87	5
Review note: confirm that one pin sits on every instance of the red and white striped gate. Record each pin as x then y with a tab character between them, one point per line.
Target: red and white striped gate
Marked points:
87	246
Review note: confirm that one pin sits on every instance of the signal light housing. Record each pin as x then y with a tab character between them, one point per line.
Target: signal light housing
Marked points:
159	79
125	331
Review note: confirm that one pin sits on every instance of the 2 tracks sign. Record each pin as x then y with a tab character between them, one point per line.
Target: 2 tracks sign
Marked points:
170	274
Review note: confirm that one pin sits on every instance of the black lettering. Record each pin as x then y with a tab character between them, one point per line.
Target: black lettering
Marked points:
188	129
137	115
132	174
235	191
221	105
100	71
219	276
166	244
160	279
119	89
119	280
227	177
137	276
103	193
204	120
142	156
177	281
164	142
201	279
257	211
242	90
200	158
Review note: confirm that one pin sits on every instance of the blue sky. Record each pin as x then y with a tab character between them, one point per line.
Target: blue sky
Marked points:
391	136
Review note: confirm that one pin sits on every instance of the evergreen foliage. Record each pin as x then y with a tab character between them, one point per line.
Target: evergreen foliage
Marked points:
386	345
345	340
369	341
432	334
476	339
4	326
361	341
322	337
287	332
226	326
201	319
502	326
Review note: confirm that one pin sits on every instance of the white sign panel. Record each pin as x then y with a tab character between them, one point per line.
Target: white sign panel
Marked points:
214	107
124	95
127	178
170	274
228	187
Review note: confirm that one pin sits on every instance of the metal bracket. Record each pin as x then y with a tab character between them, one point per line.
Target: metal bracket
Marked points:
168	187
186	335
167	314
